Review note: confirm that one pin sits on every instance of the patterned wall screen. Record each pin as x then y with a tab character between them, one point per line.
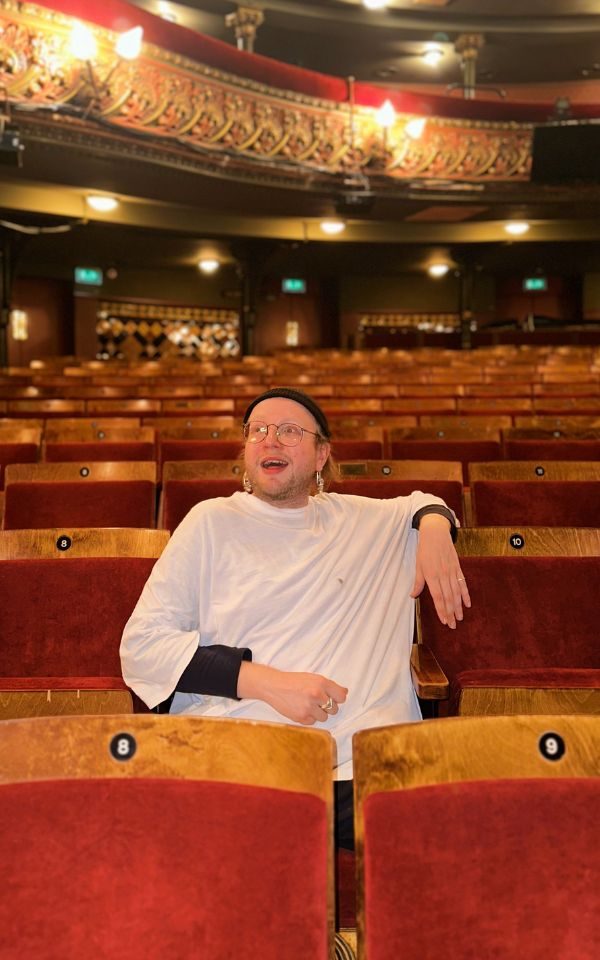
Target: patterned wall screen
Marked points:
134	331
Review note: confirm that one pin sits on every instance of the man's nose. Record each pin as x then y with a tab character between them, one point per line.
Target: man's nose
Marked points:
272	436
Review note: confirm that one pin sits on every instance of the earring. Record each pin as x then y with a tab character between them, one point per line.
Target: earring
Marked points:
246	483
319	481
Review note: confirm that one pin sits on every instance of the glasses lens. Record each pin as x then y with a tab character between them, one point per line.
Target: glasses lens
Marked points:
255	431
289	433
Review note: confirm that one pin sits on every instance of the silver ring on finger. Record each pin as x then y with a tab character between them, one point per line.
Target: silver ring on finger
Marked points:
327	706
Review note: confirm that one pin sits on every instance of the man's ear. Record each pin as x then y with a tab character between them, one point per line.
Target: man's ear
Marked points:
323	451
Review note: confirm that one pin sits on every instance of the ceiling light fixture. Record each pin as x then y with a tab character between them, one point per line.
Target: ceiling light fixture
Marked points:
208	265
102	203
516	228
438	270
432	55
332	227
375	4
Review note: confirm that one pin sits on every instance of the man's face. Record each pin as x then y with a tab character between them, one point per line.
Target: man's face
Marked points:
280	474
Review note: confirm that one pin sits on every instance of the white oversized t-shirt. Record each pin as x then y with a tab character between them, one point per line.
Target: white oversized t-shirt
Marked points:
322	589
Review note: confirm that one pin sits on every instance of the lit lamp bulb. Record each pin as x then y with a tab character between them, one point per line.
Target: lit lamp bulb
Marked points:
432	55
208	265
414	128
82	42
129	44
332	227
438	270
516	228
102	203
386	115
375	4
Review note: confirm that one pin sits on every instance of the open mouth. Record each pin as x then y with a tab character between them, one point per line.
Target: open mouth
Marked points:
273	464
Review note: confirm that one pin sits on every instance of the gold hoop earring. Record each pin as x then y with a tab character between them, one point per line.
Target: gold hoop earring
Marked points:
319	481
246	483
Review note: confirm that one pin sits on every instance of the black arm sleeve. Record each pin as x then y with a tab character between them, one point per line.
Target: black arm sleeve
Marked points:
436	508
214	671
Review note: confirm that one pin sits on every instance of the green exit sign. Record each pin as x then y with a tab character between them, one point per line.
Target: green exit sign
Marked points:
92	276
293	285
535	284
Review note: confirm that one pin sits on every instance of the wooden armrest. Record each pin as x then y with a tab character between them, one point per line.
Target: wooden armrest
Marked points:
430	681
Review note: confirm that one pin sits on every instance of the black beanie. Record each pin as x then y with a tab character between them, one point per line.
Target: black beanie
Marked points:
288	393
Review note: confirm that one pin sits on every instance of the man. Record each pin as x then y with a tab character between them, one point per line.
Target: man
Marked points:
273	604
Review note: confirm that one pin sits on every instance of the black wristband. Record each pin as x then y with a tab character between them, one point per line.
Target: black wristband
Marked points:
442	511
214	671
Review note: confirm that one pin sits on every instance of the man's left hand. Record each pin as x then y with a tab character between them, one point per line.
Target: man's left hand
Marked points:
438	566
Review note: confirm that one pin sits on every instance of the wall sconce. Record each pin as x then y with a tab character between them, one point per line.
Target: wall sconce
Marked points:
432	55
332	227
19	324
437	270
516	228
84	47
208	265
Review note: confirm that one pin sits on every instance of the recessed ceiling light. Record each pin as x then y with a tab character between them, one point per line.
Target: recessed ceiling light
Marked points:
332	227
208	265
438	269
102	203
516	228
432	55
375	4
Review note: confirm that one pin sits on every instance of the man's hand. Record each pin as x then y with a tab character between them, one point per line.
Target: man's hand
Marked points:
438	567
301	697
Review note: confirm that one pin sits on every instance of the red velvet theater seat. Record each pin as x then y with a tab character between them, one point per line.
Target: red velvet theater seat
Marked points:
552	493
426	443
534	617
97	444
166	836
80	494
180	495
558	444
66	596
384	479
18	446
476	838
205	448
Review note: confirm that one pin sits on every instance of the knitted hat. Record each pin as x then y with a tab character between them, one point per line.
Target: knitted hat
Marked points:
288	393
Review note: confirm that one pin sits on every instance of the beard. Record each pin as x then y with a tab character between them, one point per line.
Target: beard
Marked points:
292	491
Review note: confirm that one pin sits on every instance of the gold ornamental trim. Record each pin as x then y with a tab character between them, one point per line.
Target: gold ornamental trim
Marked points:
170	99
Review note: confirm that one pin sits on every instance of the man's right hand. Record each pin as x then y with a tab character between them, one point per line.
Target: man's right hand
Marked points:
301	697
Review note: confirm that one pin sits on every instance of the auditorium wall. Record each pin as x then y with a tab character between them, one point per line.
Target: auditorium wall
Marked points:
48	304
591	296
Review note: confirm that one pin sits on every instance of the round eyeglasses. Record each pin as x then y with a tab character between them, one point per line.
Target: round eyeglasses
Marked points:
290	434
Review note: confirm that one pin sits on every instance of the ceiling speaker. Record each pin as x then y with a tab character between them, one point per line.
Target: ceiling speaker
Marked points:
566	153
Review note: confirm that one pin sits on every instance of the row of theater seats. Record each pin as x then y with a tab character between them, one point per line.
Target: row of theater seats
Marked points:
200	837
127	494
67	594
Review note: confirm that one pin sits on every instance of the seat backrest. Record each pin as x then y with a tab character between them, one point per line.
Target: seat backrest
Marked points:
534	601
67	595
556	444
179	496
384	479
18	446
163	826
476	833
427	443
101	443
552	493
104	494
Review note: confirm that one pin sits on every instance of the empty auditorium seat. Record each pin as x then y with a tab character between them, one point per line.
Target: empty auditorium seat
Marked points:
91	494
529	642
398	478
99	443
550	493
166	836
200	448
427	443
18	445
198	407
557	444
475	838
66	596
185	484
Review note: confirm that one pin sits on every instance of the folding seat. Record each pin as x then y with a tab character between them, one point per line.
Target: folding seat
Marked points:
200	445
498	390
18	445
57	425
184	484
123	408
529	643
510	406
567	406
198	407
384	479
556	444
427	443
420	406
343	406
46	408
66	596
468	422
569	423
550	493
475	837
178	426
166	836
102	443
89	494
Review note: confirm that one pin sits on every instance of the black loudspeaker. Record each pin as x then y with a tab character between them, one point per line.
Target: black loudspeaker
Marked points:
566	153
